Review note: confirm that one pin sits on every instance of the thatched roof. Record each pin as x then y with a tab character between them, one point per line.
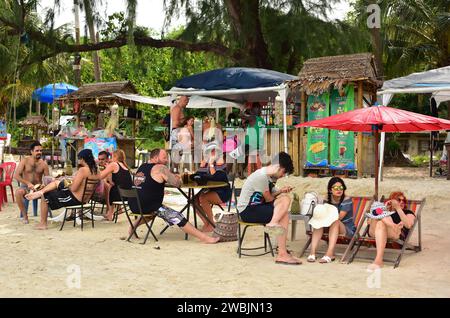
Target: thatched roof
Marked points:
99	94
34	121
319	74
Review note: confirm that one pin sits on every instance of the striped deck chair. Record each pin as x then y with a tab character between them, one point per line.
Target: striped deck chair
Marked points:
398	245
360	204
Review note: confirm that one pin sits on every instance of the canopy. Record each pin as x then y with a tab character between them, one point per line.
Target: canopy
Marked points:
234	78
49	92
435	81
380	119
423	82
194	101
237	84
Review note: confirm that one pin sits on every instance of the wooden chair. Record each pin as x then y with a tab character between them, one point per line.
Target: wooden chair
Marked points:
132	194
241	234
86	207
399	246
360	204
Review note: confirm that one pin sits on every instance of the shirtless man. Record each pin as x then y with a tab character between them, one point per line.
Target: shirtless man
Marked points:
29	173
177	112
58	196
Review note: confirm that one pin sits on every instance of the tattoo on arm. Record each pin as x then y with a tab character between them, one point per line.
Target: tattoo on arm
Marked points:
170	178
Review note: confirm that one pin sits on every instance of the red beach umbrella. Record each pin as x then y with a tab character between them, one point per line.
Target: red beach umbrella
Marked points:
380	119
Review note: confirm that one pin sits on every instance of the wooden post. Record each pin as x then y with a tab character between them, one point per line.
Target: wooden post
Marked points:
295	151
359	141
302	133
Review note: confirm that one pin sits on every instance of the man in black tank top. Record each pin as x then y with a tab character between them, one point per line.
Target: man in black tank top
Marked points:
149	180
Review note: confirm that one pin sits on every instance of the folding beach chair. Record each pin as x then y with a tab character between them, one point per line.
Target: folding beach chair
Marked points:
241	234
86	208
360	205
132	194
399	246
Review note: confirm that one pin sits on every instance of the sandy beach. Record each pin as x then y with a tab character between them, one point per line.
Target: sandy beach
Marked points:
43	263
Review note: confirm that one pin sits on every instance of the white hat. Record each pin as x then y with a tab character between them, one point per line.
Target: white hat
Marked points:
323	216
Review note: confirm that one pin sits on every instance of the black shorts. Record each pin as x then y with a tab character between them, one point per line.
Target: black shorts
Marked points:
60	198
260	213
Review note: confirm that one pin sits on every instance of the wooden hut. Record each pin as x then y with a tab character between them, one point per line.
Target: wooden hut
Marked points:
98	97
321	74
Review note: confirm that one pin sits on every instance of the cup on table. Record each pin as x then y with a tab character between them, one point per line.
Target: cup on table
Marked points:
185	178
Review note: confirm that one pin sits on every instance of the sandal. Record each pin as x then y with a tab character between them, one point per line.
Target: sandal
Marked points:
311	258
326	259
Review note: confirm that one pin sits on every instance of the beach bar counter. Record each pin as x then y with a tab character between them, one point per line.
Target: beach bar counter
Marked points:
97	105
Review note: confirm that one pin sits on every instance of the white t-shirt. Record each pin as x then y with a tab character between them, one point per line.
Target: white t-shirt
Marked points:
254	187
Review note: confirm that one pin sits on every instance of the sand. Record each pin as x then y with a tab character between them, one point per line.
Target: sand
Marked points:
97	263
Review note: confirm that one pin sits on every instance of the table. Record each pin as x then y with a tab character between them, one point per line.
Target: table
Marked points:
191	199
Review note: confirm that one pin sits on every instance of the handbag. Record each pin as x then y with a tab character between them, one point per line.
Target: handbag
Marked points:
226	227
295	205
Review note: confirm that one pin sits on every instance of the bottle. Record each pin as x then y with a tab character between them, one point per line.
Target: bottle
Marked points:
69	168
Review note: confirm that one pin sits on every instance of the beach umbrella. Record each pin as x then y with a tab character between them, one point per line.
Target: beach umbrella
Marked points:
49	92
378	119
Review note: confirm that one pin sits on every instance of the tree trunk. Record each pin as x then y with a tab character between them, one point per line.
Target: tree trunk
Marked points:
377	48
77	57
91	27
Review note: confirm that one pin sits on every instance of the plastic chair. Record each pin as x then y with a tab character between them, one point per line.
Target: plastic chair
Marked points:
35	206
8	168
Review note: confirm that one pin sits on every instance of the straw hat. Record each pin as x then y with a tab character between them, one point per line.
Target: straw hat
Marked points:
378	210
324	215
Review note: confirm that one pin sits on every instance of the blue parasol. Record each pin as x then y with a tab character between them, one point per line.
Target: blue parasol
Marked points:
47	93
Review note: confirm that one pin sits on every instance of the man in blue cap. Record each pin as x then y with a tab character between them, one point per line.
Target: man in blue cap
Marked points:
58	195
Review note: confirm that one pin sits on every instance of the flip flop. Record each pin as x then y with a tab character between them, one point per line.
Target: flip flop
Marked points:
326	259
274	230
288	263
311	258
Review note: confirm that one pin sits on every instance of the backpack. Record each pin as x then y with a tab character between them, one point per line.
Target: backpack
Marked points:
226	227
310	200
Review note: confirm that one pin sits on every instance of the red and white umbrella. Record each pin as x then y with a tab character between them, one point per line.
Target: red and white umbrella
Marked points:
380	119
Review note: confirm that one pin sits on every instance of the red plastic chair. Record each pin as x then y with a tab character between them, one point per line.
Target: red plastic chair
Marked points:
8	168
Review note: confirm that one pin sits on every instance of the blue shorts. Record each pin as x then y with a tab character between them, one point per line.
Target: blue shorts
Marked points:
259	213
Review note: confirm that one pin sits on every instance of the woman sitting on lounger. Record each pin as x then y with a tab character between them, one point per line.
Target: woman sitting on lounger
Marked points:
57	195
343	226
392	227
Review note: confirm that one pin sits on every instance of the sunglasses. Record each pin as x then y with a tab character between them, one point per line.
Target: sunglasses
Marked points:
339	188
401	200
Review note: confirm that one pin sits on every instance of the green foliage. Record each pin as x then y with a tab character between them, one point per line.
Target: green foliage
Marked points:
420	160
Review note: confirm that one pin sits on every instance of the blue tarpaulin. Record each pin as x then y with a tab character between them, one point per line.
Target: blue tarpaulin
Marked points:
234	78
49	92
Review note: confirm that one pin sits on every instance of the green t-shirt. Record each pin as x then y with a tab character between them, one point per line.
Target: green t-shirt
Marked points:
254	138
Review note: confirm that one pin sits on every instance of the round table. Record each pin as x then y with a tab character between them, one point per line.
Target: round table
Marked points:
191	197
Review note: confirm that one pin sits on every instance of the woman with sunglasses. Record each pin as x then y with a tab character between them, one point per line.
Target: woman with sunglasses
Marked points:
392	227
343	226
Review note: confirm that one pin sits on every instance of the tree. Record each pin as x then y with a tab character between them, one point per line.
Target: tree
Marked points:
239	30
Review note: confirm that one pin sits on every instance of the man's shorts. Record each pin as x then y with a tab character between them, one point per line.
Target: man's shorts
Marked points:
258	213
171	216
60	198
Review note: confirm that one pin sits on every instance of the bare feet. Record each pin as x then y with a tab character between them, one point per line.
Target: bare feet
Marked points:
33	195
41	226
210	240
